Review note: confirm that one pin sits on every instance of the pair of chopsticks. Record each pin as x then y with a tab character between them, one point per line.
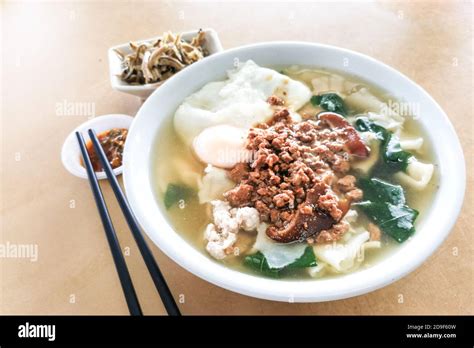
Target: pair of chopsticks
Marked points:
119	260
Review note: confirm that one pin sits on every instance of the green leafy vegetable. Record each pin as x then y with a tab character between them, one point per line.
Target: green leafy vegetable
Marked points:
259	263
392	154
384	204
377	190
308	259
330	102
174	193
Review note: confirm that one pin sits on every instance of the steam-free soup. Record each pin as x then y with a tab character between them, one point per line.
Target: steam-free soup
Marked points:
295	172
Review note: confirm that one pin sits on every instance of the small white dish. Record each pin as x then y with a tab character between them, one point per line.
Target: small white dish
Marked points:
212	44
71	153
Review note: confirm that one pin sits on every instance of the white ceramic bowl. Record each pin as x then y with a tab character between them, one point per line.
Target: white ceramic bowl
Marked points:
71	154
212	44
436	225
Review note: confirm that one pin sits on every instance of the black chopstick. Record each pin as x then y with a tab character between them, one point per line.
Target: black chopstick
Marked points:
155	273
119	260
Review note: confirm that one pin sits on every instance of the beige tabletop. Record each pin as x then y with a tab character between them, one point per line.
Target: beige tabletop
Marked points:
55	53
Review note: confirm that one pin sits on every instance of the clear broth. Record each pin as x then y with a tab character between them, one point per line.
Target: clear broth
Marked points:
191	219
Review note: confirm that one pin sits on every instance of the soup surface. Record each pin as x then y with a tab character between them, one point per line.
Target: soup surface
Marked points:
360	179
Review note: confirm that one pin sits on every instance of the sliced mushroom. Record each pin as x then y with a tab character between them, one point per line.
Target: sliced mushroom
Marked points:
301	227
354	144
306	222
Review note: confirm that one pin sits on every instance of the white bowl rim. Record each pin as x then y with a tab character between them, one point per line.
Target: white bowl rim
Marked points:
360	282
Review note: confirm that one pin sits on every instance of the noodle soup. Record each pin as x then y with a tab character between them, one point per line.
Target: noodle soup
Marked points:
293	173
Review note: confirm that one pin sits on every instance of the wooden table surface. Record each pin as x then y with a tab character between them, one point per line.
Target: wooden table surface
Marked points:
54	54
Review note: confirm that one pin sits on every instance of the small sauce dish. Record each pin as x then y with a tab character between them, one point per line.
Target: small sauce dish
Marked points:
71	154
212	45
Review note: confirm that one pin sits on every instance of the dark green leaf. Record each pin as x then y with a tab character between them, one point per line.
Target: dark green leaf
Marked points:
363	124
384	204
308	259
392	154
330	102
395	220
377	190
315	100
259	263
174	193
